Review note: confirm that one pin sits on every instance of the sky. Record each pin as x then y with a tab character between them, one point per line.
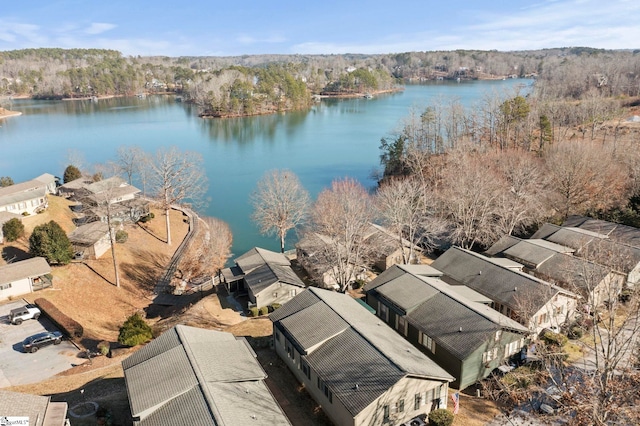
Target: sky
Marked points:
241	27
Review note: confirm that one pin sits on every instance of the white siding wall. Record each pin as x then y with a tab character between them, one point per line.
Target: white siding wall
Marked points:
15	288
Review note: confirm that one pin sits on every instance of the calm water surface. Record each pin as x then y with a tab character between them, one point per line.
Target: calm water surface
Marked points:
336	138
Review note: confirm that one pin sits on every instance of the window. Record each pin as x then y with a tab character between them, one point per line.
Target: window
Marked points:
489	355
498	335
275	294
383	311
292	292
305	368
5	286
385	414
428	343
325	389
400	406
289	349
401	324
417	402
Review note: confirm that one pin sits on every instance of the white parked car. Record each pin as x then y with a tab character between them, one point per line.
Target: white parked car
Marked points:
27	312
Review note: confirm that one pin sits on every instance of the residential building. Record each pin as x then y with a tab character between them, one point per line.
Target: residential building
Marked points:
464	336
39	410
264	276
533	302
193	376
23	277
555	263
29	197
123	200
606	243
91	240
357	368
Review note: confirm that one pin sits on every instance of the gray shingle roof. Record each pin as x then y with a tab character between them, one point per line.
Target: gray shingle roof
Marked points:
572	270
445	311
24	405
306	331
29	268
502	244
407	292
528	253
501	284
89	234
257	257
348	359
442	318
262	277
378	356
175	380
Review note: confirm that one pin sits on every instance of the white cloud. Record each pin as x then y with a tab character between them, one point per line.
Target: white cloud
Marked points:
99	28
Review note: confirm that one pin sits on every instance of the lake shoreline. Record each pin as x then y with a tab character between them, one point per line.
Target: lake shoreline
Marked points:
4	113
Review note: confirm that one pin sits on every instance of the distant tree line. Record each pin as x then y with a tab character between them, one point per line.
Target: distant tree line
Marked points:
256	84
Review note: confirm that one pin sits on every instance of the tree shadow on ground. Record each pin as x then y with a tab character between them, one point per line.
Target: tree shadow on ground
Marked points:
14	254
147	270
148	231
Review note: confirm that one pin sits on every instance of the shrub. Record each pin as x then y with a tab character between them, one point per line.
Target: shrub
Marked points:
575	332
253	312
25	213
5	181
67	325
121	236
12	229
359	283
441	417
71	173
264	310
51	242
555	339
275	306
135	331
146	218
104	347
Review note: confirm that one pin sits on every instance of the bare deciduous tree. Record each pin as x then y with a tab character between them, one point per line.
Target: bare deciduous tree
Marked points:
280	204
128	160
339	221
406	209
209	250
583	177
176	177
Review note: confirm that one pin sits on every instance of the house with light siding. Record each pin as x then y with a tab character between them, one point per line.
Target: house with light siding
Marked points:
193	376
27	198
92	240
354	366
265	276
450	324
607	243
555	263
24	277
532	301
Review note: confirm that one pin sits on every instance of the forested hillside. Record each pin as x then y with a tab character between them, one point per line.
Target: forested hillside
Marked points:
257	84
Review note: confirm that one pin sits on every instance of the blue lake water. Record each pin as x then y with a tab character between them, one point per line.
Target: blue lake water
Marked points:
334	139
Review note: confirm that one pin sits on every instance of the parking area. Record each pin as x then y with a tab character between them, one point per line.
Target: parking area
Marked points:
18	367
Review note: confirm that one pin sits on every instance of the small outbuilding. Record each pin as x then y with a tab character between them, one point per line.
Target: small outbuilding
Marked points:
92	239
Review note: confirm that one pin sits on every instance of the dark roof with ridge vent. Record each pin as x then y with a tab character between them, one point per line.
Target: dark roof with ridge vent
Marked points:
194	376
330	328
499	283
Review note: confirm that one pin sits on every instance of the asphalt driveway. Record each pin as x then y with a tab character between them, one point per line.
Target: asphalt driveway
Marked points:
18	367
